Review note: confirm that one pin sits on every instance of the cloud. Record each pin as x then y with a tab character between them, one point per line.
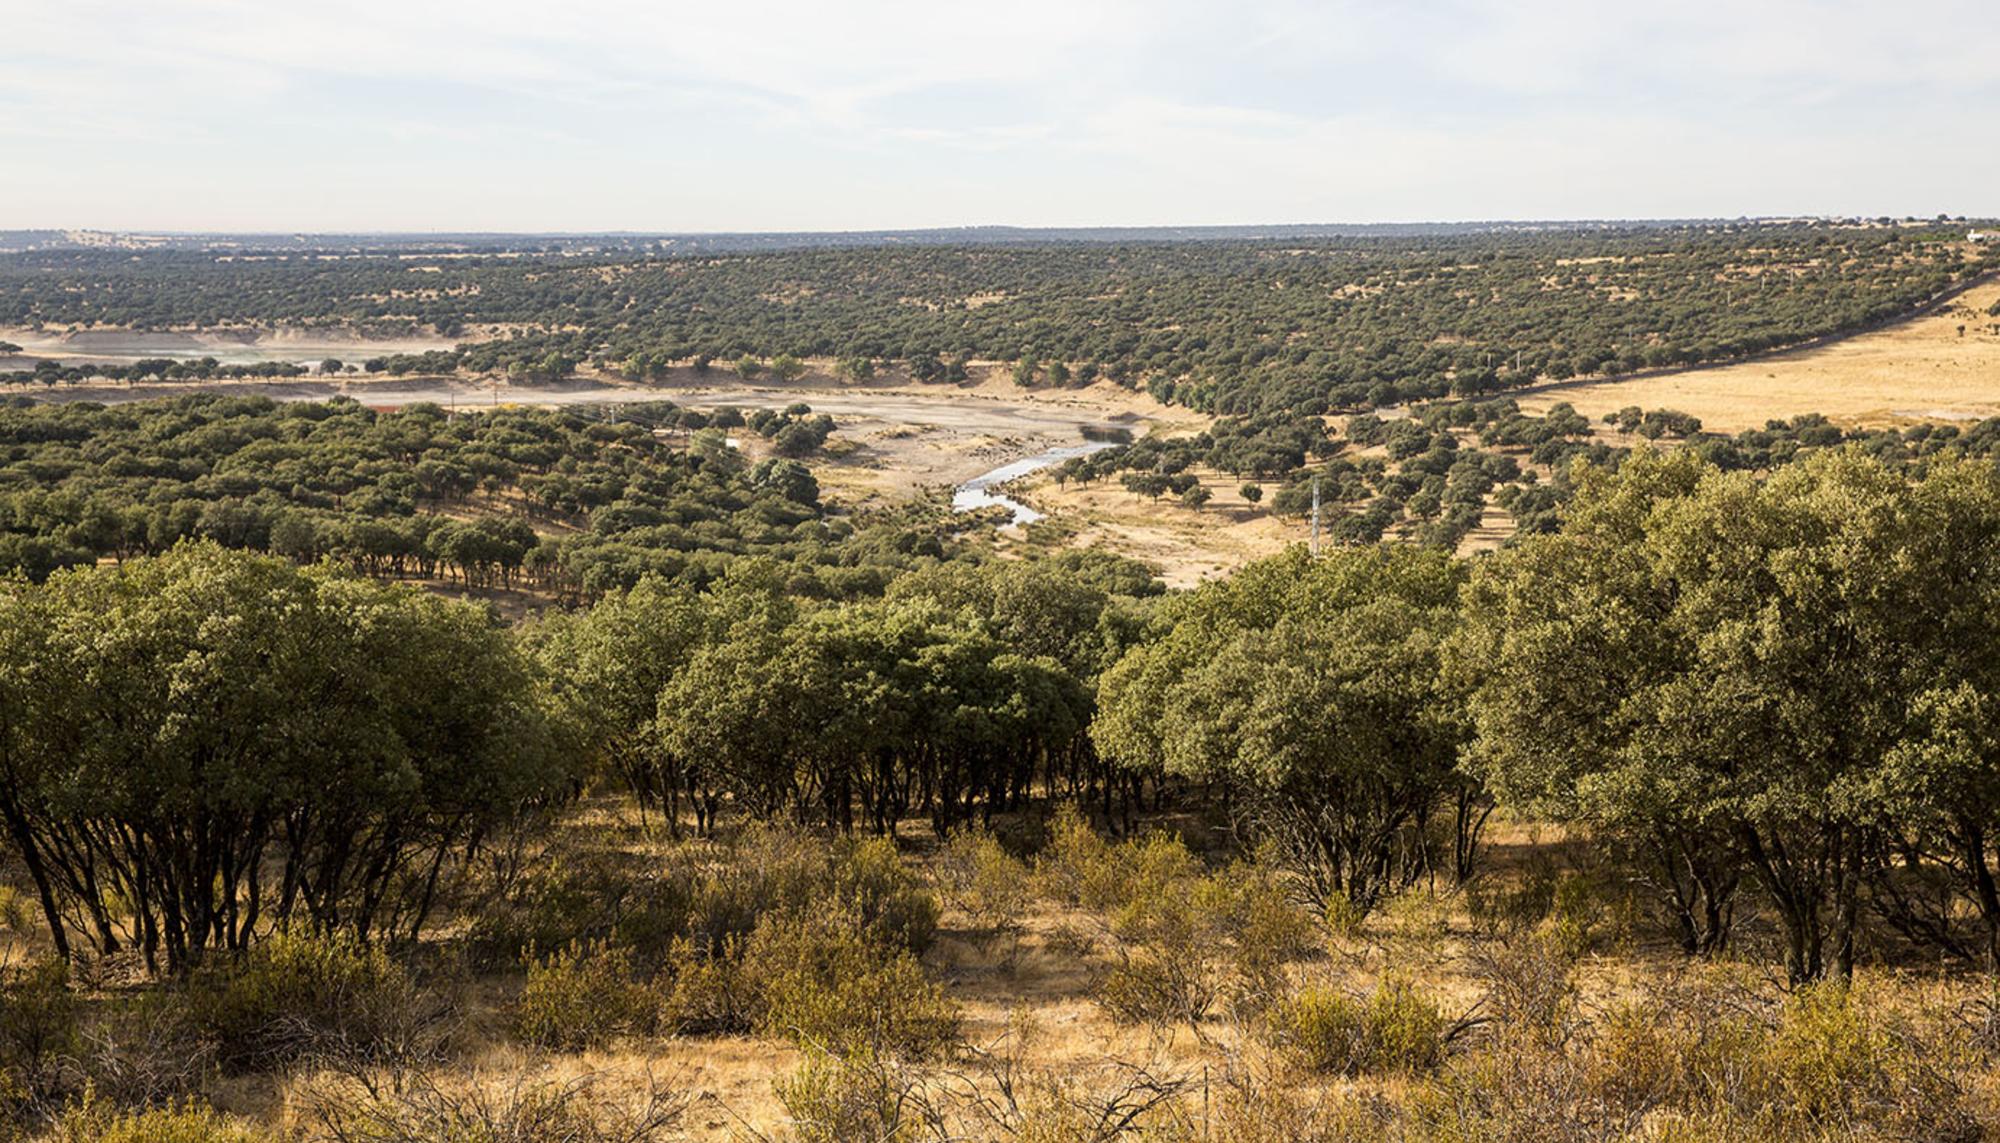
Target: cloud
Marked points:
696	115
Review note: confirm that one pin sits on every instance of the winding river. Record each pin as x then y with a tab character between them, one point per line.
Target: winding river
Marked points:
978	492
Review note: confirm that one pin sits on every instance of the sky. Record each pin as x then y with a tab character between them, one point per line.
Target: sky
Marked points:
734	115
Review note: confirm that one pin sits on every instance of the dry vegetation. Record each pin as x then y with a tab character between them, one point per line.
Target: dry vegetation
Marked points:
1942	366
1043	983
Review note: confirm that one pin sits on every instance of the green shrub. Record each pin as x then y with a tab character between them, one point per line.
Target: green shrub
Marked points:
38	1035
836	1098
581	997
706	994
88	1122
1395	1028
978	877
821	983
707	897
567	897
1185	940
294	996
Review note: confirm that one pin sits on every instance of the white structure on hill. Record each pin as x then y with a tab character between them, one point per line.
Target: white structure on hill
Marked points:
1982	236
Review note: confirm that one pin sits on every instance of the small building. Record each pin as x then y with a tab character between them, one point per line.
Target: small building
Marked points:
1982	236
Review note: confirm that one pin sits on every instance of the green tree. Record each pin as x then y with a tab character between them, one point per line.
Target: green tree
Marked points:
1747	678
1314	689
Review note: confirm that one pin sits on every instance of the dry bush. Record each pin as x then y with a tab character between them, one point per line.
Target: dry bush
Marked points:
1393	1028
147	1051
1701	1062
39	1039
822	983
852	1098
423	1106
976	875
93	1122
294	996
581	997
985	1093
1183	940
1532	987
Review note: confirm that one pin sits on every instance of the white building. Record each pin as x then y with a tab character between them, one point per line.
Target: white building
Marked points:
1982	236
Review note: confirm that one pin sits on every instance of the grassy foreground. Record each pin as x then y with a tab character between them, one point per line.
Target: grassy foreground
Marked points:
1043	981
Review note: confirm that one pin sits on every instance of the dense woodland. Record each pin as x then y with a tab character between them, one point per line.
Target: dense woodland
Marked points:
1766	701
1678	817
1242	328
570	503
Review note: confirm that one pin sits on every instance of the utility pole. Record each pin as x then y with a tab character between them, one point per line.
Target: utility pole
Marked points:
1315	539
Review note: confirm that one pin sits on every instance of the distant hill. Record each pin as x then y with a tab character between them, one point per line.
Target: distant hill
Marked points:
731	243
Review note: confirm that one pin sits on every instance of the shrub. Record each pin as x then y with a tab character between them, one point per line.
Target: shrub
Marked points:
978	877
294	996
89	1122
821	983
38	1034
1532	982
1184	940
567	896
1395	1028
707	994
581	997
595	1107
840	1098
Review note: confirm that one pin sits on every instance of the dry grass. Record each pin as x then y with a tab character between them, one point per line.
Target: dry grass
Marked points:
1922	369
1187	545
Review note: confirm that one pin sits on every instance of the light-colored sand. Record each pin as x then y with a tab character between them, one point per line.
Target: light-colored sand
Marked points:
1923	369
1186	544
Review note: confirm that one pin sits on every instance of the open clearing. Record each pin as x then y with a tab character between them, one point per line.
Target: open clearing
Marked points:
1187	545
1922	369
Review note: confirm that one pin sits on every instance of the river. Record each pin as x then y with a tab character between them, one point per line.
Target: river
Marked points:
977	493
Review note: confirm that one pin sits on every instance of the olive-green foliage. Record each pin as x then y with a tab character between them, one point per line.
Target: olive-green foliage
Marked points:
1759	682
977	876
1182	939
1313	688
206	739
820	983
296	996
39	1037
581	997
91	1122
309	481
1394	1027
707	896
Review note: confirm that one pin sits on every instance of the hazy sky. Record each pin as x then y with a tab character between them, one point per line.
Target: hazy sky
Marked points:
829	114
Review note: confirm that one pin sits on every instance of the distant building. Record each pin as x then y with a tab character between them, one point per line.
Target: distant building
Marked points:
1983	236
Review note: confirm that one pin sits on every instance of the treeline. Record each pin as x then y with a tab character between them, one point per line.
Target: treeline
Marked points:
571	502
1231	327
199	747
1770	697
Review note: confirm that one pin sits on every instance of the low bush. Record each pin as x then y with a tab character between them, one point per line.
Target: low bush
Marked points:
422	1106
295	996
1394	1028
1183	940
39	1039
822	983
707	994
842	1098
91	1122
581	997
707	896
